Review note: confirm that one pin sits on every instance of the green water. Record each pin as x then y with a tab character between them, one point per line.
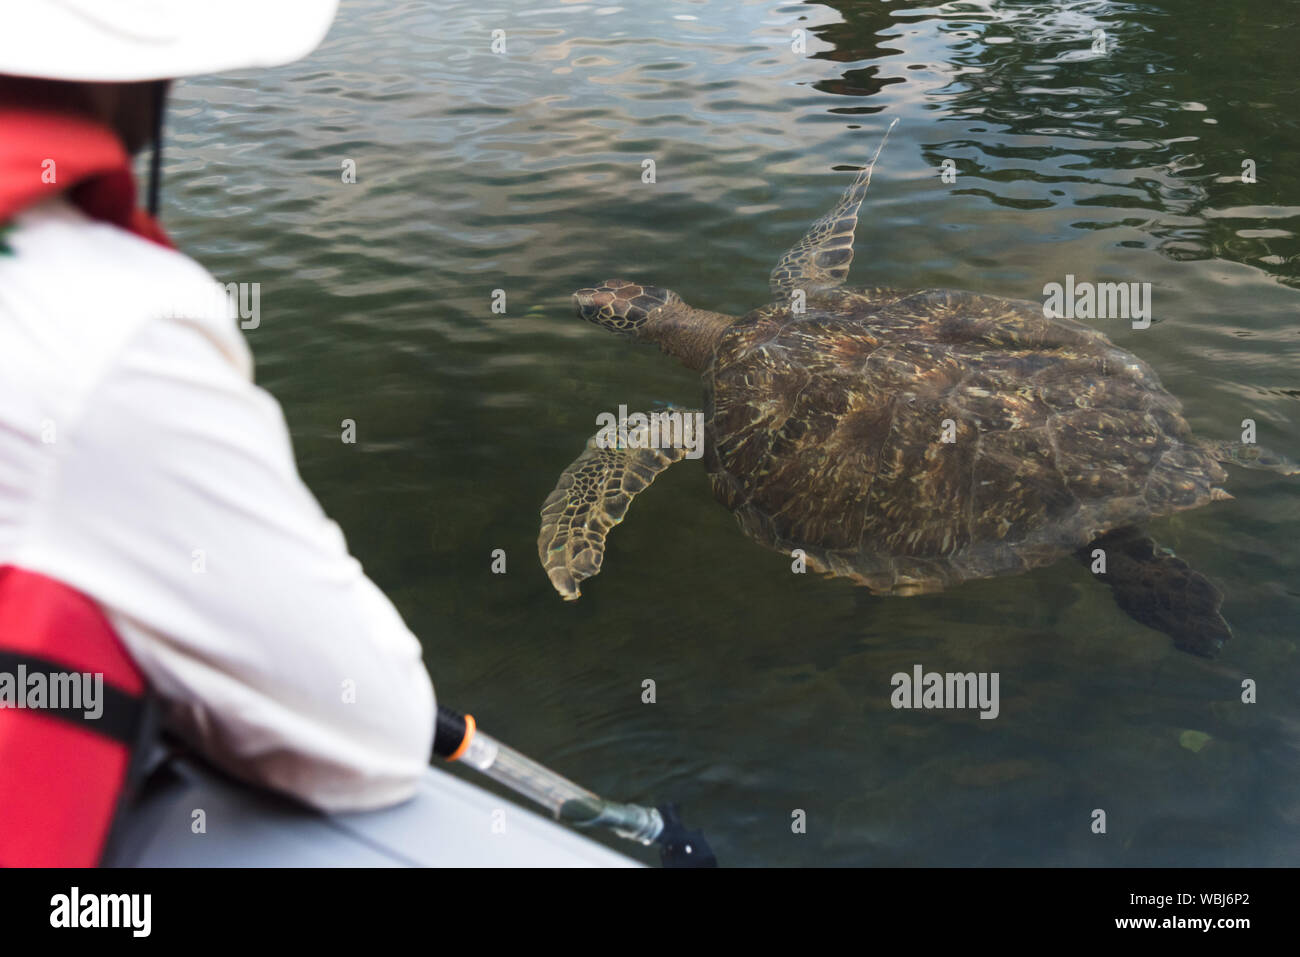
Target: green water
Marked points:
521	171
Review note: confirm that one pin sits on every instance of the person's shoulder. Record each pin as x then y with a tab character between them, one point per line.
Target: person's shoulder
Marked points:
55	234
83	291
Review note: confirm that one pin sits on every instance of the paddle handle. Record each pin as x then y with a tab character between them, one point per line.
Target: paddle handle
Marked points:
457	738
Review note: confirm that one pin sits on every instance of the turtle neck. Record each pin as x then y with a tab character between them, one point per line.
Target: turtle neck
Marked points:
44	154
687	334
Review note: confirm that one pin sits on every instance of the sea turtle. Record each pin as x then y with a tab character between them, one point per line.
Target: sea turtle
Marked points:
911	440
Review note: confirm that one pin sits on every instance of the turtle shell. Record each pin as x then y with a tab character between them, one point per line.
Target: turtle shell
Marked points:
913	440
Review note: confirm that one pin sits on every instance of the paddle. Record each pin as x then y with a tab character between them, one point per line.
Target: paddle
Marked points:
457	738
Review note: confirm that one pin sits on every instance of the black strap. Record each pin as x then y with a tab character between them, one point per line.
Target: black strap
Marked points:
121	713
155	159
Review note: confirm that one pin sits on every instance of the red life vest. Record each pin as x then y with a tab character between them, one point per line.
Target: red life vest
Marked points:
93	169
63	776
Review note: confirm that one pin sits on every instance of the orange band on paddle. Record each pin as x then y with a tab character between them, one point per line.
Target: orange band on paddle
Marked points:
464	742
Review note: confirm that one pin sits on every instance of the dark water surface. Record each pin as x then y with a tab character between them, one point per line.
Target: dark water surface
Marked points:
479	171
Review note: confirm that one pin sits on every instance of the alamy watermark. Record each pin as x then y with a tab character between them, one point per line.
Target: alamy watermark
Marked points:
1098	300
673	429
930	689
241	301
54	690
133	912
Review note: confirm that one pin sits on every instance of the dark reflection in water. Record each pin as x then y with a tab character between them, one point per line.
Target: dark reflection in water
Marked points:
522	172
1076	88
1131	102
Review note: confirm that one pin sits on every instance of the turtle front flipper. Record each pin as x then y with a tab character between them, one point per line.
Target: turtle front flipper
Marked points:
591	497
1161	591
821	259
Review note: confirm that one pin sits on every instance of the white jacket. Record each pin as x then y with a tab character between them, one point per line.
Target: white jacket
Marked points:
140	465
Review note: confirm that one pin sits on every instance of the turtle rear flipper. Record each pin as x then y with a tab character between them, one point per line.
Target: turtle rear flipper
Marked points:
1250	457
591	497
1161	591
821	259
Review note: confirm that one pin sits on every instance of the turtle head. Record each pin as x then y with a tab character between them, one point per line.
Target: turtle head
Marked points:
622	306
654	314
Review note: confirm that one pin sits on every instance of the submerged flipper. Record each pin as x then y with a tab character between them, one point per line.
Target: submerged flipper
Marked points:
1162	591
821	259
1250	457
591	497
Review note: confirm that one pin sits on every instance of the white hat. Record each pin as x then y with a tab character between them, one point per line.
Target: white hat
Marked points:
128	40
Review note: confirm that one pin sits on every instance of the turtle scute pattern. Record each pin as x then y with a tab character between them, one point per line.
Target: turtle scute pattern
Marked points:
824	434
